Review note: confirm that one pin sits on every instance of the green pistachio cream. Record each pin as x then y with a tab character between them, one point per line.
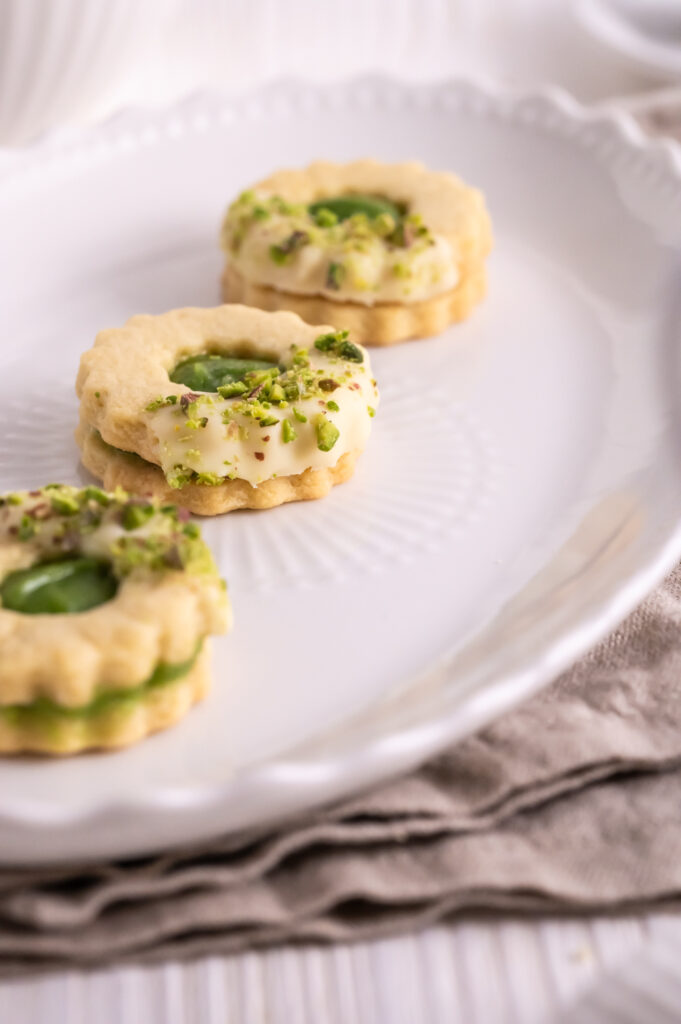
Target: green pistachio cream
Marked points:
353	246
210	371
51	588
345	206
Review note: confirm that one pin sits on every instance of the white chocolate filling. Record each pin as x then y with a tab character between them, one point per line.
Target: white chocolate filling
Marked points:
243	449
97	544
373	271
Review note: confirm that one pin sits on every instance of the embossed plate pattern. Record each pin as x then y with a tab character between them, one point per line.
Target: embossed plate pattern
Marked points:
520	493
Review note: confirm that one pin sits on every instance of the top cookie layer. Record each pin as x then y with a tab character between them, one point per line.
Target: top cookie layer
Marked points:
425	231
310	409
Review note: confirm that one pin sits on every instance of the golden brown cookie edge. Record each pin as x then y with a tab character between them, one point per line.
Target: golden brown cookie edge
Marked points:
379	325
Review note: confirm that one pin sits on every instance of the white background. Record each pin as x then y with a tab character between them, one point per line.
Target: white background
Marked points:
69	61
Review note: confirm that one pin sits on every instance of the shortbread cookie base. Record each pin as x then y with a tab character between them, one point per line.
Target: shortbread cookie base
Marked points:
382	324
115	468
128	368
121	723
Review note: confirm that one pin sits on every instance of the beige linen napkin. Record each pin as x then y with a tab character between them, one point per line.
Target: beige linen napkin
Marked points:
570	803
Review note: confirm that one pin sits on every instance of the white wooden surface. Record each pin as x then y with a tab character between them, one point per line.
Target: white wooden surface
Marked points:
523	972
472	973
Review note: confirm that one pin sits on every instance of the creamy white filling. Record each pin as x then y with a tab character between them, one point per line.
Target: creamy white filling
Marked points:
98	543
376	273
242	449
101	542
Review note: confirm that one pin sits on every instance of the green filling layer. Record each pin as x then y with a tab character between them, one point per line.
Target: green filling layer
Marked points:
44	712
53	588
132	457
343	207
208	372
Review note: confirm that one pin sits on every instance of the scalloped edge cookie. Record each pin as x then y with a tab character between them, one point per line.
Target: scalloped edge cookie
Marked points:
118	725
170	597
128	368
117	468
449	207
380	325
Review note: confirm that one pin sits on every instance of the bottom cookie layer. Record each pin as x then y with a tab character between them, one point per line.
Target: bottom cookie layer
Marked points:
117	721
116	468
383	324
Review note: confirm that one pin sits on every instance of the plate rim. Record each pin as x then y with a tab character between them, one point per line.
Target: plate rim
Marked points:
302	783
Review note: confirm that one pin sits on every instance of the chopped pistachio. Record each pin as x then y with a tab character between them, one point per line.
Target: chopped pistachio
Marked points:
160	402
384	224
135	516
301	357
190	401
300	416
179	476
97	494
327	433
401	270
285	208
281	253
27	528
333	406
66	504
209	479
335	274
288	432
330	342
371	410
325	218
269	421
232	390
292	388
337	343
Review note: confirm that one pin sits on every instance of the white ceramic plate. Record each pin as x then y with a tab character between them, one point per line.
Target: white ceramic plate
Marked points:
521	491
645	33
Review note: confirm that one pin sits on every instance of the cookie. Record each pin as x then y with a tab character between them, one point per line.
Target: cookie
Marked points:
389	251
106	606
224	408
